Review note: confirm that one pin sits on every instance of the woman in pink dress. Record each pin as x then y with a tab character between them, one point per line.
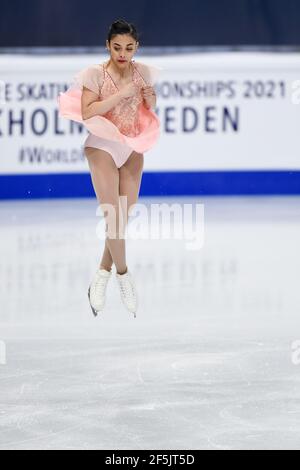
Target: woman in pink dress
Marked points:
115	102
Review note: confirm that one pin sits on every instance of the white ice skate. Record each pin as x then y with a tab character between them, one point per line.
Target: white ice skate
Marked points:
128	291
97	290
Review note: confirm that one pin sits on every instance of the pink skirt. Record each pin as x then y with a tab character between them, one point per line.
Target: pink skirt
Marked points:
69	104
119	151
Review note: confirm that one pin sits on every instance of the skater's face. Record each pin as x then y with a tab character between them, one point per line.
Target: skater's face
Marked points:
122	48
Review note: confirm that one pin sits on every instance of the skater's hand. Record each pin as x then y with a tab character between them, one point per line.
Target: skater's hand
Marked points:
128	90
149	96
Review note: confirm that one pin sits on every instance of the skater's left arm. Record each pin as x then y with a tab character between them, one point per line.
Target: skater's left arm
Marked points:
149	97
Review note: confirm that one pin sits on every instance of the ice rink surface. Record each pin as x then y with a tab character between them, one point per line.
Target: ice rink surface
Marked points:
209	362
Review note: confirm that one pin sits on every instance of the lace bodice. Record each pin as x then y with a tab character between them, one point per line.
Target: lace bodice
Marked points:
130	121
125	114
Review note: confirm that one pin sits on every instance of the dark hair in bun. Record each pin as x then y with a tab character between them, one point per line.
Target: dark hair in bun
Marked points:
122	27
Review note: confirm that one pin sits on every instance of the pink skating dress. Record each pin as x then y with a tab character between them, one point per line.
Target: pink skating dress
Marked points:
128	126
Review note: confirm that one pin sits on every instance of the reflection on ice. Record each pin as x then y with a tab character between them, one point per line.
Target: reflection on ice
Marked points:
207	363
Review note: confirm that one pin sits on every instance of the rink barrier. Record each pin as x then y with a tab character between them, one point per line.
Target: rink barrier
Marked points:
66	185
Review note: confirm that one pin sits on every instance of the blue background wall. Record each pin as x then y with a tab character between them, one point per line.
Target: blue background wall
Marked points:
161	23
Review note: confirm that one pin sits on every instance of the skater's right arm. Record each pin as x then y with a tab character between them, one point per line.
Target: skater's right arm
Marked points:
91	105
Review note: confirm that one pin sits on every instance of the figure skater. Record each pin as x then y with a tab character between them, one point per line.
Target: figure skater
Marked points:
115	101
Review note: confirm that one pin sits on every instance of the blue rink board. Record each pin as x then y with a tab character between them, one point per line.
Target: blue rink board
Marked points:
64	185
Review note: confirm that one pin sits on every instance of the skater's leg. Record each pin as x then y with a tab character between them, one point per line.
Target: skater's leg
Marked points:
129	186
105	178
130	182
106	261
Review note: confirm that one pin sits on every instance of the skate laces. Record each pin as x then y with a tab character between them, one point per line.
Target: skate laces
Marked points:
100	283
126	285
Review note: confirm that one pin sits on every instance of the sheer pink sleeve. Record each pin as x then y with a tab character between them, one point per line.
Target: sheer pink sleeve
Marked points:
90	77
150	73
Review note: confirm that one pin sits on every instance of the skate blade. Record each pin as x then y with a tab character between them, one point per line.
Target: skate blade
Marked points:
95	312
